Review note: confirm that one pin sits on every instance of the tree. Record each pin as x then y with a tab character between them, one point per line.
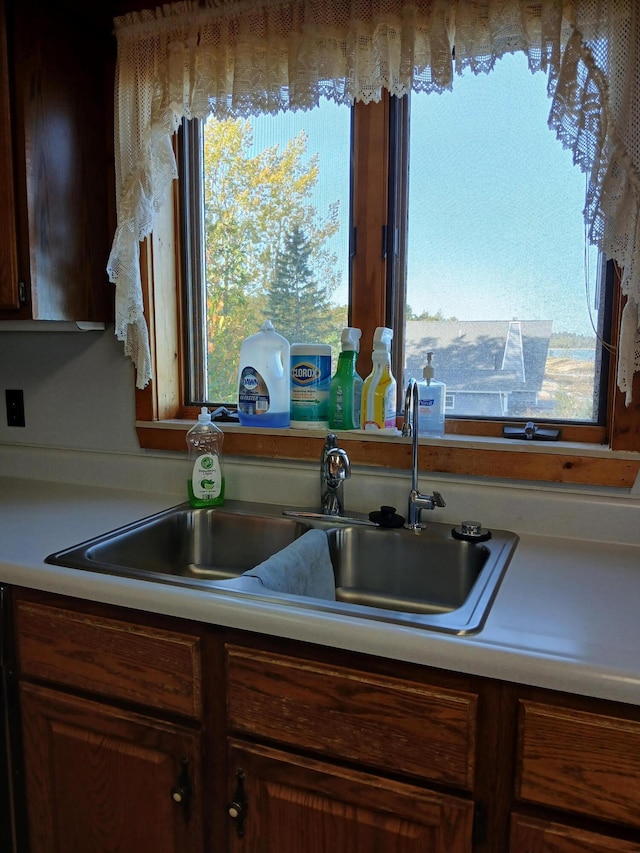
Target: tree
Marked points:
254	206
297	304
425	315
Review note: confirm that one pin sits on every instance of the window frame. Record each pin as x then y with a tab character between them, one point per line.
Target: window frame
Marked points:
587	455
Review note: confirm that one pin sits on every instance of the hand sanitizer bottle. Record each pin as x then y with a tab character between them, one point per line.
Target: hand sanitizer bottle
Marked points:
431	394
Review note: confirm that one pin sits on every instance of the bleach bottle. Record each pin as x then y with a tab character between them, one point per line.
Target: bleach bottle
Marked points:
379	389
263	379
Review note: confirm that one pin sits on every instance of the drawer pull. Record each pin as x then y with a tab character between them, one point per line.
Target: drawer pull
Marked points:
237	808
181	794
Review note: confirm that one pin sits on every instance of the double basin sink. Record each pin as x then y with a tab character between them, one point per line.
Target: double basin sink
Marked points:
426	579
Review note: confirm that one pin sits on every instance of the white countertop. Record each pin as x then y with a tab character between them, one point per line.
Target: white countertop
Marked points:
566	616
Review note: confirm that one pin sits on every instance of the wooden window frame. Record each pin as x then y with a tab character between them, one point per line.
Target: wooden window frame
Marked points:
588	455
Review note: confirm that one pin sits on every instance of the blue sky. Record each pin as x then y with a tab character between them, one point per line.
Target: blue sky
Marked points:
495	228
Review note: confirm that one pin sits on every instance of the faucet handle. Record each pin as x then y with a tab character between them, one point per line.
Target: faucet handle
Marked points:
336	467
438	500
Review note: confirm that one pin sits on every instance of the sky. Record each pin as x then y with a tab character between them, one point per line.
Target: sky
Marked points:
495	204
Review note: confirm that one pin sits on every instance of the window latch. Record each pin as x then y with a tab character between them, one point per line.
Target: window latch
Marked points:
531	432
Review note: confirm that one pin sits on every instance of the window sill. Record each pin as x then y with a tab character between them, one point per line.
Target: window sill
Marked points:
557	462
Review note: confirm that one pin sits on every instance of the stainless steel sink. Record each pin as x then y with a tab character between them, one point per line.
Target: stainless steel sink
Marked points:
425	579
185	545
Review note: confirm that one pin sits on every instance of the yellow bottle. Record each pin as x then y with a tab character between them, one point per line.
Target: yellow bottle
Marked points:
379	389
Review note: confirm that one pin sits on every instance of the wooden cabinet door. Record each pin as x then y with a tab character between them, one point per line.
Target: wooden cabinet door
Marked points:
57	201
288	804
101	780
535	836
9	296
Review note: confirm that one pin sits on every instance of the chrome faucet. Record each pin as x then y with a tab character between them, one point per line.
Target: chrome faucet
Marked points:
335	468
417	501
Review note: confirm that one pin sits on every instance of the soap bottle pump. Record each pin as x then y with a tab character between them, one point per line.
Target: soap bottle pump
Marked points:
205	485
345	393
379	389
431	396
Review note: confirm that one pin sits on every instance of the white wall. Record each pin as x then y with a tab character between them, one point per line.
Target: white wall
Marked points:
78	390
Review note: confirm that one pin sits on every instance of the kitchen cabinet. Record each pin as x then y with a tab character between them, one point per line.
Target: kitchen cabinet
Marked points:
8	242
54	165
583	763
98	772
131	722
282	801
111	728
285	803
536	836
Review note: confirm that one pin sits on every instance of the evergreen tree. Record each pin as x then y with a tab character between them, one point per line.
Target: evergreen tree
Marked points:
297	304
262	235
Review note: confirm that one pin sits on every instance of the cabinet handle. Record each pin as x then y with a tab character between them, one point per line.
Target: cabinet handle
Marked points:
238	807
181	793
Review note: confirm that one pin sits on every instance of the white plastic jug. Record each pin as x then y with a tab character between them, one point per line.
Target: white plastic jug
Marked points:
263	379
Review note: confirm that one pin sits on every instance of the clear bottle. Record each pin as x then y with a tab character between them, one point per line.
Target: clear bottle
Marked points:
379	389
431	395
263	379
345	393
205	485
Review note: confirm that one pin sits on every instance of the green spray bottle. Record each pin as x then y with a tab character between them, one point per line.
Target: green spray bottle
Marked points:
345	393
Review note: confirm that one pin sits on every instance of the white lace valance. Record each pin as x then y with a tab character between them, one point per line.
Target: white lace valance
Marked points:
238	57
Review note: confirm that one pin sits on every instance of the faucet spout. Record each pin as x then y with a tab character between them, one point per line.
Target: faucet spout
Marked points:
335	468
417	501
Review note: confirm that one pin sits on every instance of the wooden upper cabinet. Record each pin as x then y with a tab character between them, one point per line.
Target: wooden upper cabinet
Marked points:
9	298
55	113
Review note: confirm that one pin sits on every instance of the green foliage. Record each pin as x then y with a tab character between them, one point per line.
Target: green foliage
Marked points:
265	247
425	315
297	304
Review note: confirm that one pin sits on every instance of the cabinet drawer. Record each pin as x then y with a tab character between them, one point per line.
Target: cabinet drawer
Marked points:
537	836
581	762
373	720
157	668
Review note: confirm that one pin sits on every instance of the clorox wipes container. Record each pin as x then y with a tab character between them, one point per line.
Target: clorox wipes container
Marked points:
263	379
310	385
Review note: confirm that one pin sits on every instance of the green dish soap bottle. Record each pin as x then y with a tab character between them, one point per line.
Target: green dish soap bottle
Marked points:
345	393
206	481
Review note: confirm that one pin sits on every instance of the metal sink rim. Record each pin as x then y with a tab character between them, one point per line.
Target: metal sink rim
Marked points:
469	618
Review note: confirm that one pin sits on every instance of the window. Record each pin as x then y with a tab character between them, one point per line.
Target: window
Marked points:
501	282
166	59
493	260
270	232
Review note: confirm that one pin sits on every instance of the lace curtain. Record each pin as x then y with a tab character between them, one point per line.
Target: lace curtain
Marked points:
240	57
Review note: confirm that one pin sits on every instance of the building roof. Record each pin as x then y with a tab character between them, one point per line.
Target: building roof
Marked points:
480	355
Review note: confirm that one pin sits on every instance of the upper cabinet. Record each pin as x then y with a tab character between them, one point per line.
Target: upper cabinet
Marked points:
55	164
9	296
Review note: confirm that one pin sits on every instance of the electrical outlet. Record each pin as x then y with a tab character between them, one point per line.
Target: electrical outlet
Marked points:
15	407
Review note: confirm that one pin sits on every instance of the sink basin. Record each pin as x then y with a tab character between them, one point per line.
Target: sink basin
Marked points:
184	544
427	578
424	579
